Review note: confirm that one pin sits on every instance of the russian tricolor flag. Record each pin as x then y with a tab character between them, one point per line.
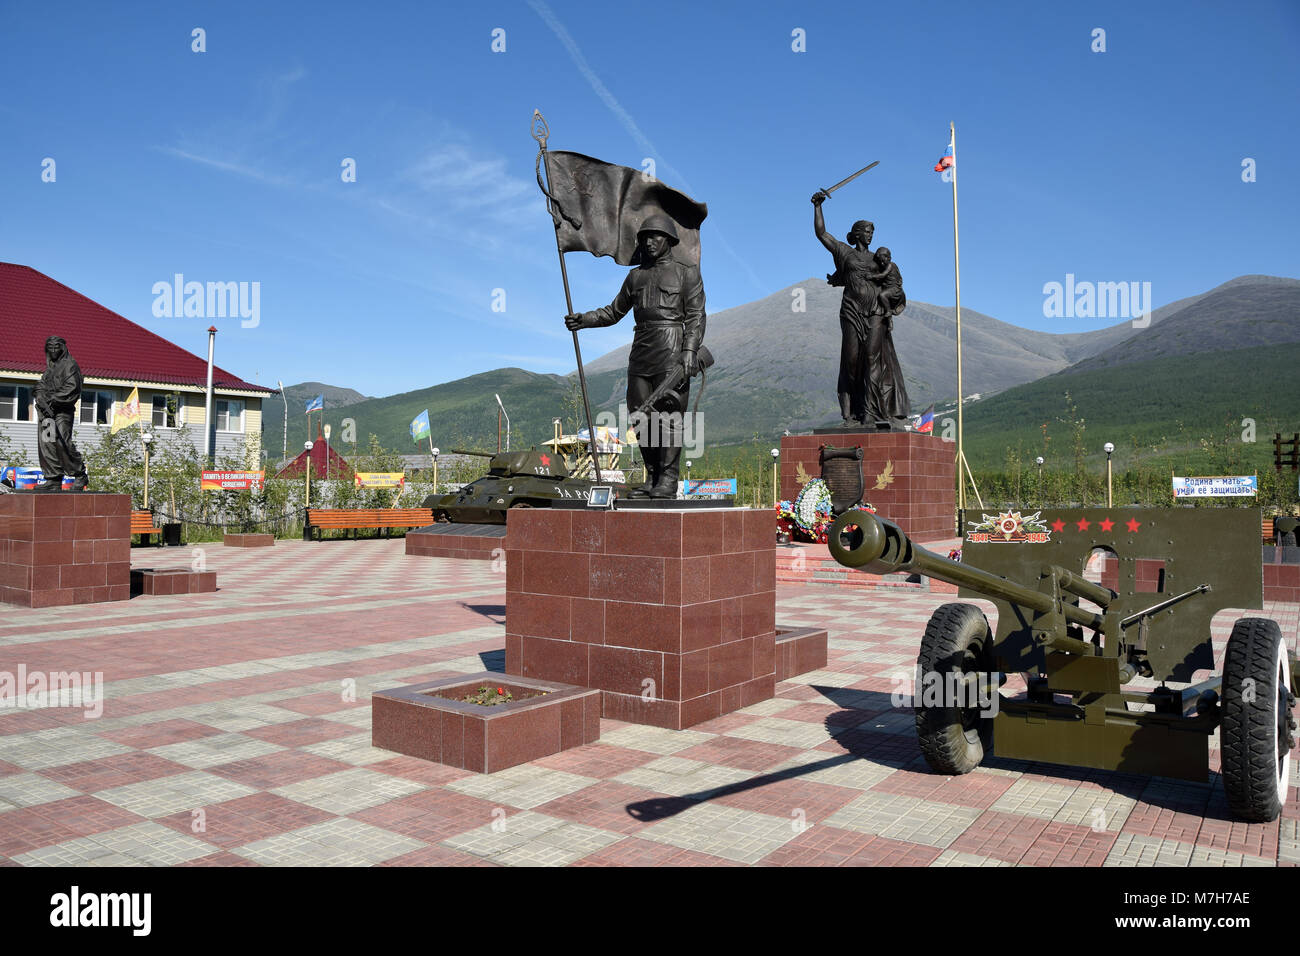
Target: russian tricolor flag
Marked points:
948	161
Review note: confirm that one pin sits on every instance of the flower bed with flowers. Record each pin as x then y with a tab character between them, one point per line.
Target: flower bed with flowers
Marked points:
809	517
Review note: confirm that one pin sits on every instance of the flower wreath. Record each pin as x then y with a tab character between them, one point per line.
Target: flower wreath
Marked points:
809	517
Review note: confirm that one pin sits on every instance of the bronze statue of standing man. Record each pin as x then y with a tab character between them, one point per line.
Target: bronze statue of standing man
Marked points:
871	389
56	396
666	298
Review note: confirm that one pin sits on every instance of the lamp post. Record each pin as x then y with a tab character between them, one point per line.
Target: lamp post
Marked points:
435	471
776	454
686	492
284	445
307	445
1039	462
327	452
1108	447
146	439
503	412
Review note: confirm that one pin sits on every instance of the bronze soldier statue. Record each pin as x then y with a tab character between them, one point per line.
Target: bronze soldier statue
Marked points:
55	397
666	298
871	389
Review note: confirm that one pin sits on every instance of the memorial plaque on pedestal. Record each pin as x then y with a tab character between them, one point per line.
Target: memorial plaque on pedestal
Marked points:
909	478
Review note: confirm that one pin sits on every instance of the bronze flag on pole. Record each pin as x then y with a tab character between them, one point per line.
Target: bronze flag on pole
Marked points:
600	206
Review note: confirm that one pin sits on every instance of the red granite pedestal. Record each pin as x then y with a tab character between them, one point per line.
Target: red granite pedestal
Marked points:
671	614
918	474
64	548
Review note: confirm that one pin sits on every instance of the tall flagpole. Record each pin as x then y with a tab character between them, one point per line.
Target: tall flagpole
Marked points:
541	132
956	256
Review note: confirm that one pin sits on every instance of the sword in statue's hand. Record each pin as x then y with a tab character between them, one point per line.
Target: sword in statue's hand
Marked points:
822	194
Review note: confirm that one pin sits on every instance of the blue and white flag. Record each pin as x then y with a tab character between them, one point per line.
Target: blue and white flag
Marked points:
420	427
316	403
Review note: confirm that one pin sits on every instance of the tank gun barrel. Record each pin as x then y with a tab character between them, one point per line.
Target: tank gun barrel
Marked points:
476	454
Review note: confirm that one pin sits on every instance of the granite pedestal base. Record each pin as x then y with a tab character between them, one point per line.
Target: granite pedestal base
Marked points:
909	478
476	542
64	548
248	540
669	613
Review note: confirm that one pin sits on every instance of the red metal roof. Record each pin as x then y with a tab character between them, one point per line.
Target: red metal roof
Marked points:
321	453
106	345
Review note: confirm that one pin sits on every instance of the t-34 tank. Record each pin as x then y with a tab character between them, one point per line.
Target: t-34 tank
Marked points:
515	479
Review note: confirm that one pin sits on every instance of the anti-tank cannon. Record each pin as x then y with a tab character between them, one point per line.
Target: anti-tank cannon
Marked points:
1091	653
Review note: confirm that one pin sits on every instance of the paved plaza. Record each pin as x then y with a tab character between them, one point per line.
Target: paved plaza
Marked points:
236	731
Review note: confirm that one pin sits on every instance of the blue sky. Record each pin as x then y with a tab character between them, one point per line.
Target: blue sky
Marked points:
225	165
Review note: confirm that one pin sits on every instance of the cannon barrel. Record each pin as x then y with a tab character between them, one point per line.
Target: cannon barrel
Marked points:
881	547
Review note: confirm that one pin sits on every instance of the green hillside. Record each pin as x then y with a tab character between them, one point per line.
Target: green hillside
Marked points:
462	414
1183	411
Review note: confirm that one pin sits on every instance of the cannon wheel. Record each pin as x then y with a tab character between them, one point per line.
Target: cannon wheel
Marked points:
954	739
1258	728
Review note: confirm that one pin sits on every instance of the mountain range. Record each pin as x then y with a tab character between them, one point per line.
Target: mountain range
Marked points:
776	369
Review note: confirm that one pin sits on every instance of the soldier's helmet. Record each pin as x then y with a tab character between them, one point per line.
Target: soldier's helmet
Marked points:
659	223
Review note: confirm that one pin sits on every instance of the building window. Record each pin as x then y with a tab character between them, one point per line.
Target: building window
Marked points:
230	415
96	407
167	410
15	403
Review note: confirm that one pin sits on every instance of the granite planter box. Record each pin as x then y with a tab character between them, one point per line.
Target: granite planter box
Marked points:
429	721
172	581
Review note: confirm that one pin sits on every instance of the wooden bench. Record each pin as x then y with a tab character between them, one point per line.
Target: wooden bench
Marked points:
319	519
1268	530
142	524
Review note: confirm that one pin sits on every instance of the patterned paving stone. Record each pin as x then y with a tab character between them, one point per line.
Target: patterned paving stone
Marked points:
1096	808
956	858
532	839
837	769
114	771
731	751
1064	844
57	746
212	751
160	734
1209	856
679	777
27	789
905	818
144	844
652	739
1135	849
340	842
1289	841
347	791
354	749
723	831
819	845
187	791
788	733
278	769
1035	799
601	761
295	627
523	787
636	852
245	819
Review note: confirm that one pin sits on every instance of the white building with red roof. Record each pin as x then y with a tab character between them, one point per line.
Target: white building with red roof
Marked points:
115	356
